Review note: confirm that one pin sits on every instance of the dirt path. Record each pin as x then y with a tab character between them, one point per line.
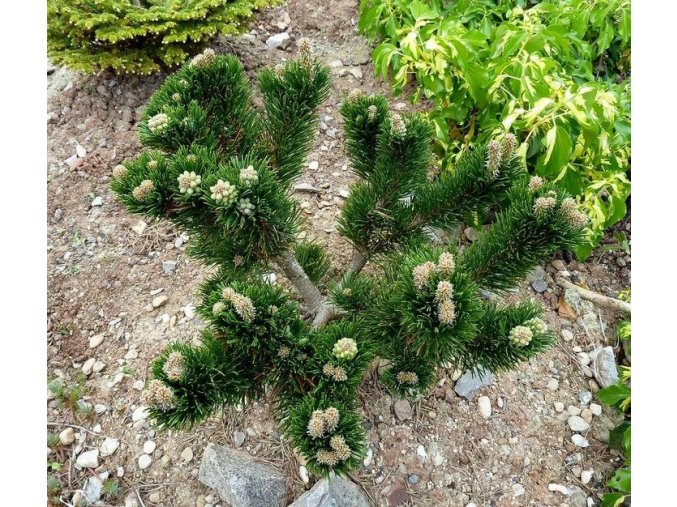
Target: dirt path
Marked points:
105	267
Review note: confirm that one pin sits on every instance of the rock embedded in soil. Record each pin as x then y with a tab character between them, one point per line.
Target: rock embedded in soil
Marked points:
109	446
96	340
539	286
484	405
93	487
238	438
89	459
577	423
67	436
403	409
604	366
168	266
336	491
279	41
159	301
240	479
144	461
468	384
579	440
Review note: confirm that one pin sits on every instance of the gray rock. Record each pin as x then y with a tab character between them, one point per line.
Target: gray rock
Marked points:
93	486
584	397
577	423
413	479
577	497
539	286
335	492
238	438
536	275
97	201
468	385
402	409
89	459
604	366
241	480
279	41
168	266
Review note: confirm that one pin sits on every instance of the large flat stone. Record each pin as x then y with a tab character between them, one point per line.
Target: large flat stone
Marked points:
335	492
241	480
469	384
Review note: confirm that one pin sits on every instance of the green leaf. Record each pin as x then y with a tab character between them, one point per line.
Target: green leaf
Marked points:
614	394
620	480
558	144
617	436
613	500
421	11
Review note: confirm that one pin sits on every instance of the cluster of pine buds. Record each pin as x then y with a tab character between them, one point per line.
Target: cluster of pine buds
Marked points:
538	326
189	182
371	112
174	366
345	348
422	273
158	395
398	127
204	58
571	213
498	153
336	373
248	176
535	183
158	123
322	422
521	335
145	188
119	172
545	203
340	451
245	206
224	192
242	304
407	377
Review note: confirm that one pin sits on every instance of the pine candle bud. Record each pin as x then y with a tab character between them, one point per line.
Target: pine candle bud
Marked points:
544	204
189	182
305	47
283	352
338	444
345	348
158	395
152	165
279	70
119	172
521	336
158	123
355	94
494	157
245	206
444	291
571	213
407	377
316	425
331	418
249	177
327	458
421	274
218	307
535	183
242	304
174	366
336	373
371	112
537	326
145	188
176	97
204	58
398	127
446	264
508	147
446	312
224	192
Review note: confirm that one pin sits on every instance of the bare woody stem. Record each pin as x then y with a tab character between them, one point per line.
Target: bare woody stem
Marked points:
309	292
357	262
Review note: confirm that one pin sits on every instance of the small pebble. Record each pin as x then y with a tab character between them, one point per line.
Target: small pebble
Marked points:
577	423
596	409
586	476
149	446
579	440
484	404
144	461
